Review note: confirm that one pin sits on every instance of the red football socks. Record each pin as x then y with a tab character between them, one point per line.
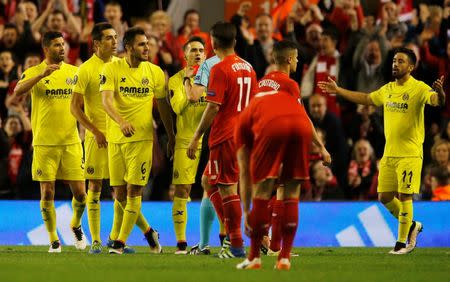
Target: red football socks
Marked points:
232	217
289	226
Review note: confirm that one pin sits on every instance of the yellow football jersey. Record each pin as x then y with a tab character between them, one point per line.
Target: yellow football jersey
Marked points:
51	120
87	83
188	114
403	107
134	89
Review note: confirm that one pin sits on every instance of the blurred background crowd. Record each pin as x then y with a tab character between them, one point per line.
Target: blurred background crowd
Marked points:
349	40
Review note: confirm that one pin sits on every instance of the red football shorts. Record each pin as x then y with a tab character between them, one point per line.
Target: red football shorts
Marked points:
281	150
222	167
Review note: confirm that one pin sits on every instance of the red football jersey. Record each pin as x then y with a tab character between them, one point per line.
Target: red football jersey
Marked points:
232	84
277	131
262	111
279	81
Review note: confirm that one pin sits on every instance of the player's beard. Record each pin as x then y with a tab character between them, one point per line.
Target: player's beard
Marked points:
57	58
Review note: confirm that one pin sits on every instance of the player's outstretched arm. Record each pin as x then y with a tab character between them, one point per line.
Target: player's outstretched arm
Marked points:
331	87
207	118
126	127
76	108
438	99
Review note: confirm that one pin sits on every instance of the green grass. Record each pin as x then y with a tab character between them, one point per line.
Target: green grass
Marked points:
19	263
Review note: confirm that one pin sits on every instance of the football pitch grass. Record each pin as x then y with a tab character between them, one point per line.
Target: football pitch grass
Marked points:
33	263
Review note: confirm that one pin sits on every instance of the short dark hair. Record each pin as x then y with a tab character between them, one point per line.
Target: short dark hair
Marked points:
280	48
193	39
190	11
11	26
49	36
97	31
113	3
408	52
331	33
130	35
223	34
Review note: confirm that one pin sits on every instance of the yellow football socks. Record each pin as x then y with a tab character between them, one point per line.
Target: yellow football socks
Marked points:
78	209
179	217
405	220
93	213
130	215
393	207
49	216
117	219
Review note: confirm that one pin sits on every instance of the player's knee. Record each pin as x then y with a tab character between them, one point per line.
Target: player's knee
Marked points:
134	191
120	193
95	185
385	198
47	192
182	191
205	184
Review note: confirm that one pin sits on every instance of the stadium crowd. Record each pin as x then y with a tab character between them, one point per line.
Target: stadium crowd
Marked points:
348	40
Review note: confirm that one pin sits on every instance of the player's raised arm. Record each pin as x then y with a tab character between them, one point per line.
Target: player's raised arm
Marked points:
438	98
331	87
24	86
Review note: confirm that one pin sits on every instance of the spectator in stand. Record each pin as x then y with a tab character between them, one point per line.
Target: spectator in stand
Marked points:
367	63
170	52
368	124
8	73
440	185
18	130
17	43
113	15
31	59
442	64
445	133
324	65
361	170
304	14
390	22
323	183
61	21
334	140
259	55
347	16
308	50
440	154
5	188
26	15
191	27
244	35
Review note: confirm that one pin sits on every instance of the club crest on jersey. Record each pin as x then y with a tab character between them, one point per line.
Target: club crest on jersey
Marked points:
69	81
90	170
405	97
102	79
145	81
